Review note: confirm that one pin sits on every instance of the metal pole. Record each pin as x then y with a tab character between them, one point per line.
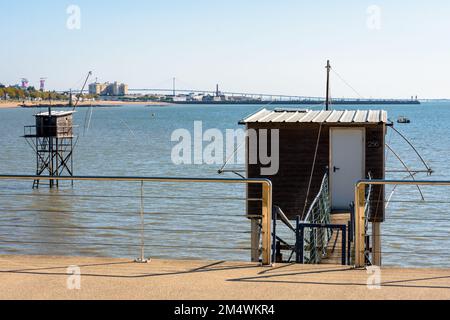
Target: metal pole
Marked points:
297	239
349	243
174	88
344	243
71	158
327	103
301	243
274	235
142	258
50	150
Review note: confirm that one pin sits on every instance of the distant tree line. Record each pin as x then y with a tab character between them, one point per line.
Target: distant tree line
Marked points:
15	93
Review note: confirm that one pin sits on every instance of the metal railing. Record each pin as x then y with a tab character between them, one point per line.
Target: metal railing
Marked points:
319	226
316	239
351	225
367	211
124	201
360	219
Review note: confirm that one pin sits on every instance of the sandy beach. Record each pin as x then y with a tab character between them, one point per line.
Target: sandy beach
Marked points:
99	103
7	105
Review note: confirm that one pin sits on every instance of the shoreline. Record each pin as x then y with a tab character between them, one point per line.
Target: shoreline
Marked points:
99	103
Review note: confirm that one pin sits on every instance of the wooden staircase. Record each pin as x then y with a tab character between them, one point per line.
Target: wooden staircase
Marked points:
334	249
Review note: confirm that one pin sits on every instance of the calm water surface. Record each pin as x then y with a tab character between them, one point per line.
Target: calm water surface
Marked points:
192	220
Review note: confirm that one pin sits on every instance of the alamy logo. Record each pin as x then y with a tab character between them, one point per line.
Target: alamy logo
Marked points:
74	19
74	278
374	17
214	147
374	279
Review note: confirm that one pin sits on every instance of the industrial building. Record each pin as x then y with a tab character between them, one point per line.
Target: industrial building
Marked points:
108	89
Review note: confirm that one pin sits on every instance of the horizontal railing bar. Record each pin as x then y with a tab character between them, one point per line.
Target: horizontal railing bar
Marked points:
442	254
126	212
405	182
406	171
125	196
137	179
120	245
413	236
48	126
124	229
416	219
411	201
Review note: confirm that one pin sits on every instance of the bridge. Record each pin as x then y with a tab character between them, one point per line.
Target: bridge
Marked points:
262	96
232	97
197	96
250	98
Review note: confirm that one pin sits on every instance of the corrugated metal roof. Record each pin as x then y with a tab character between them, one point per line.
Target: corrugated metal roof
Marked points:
55	113
309	116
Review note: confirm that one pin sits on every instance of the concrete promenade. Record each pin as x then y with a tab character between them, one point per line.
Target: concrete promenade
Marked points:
43	277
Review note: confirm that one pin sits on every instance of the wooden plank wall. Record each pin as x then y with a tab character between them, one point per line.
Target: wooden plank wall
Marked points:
297	149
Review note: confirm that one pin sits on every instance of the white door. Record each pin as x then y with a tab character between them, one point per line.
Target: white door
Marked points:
346	164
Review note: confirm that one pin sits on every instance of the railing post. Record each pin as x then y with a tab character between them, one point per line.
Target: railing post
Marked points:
297	239
301	244
360	194
344	244
266	223
349	242
274	235
142	259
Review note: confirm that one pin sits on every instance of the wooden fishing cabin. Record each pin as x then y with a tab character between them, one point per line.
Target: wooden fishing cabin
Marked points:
346	146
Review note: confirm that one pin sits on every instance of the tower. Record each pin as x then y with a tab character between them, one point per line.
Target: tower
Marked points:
52	140
42	84
24	83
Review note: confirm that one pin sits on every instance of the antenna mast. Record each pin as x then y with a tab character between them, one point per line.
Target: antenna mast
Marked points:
327	102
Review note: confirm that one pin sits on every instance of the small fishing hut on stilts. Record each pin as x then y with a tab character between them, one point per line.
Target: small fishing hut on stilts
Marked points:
52	140
322	154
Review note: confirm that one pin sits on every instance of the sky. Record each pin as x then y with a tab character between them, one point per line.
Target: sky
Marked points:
382	49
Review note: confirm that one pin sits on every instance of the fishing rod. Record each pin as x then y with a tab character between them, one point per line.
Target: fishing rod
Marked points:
82	89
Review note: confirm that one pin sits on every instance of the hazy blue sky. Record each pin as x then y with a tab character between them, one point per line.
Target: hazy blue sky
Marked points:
253	46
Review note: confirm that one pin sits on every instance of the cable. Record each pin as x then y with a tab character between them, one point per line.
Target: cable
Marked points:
346	83
312	169
122	245
211	215
124	229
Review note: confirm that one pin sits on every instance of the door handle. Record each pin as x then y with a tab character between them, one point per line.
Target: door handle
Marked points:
336	169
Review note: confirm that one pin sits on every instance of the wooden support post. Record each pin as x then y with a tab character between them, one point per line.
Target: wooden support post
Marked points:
376	244
360	194
266	224
255	239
